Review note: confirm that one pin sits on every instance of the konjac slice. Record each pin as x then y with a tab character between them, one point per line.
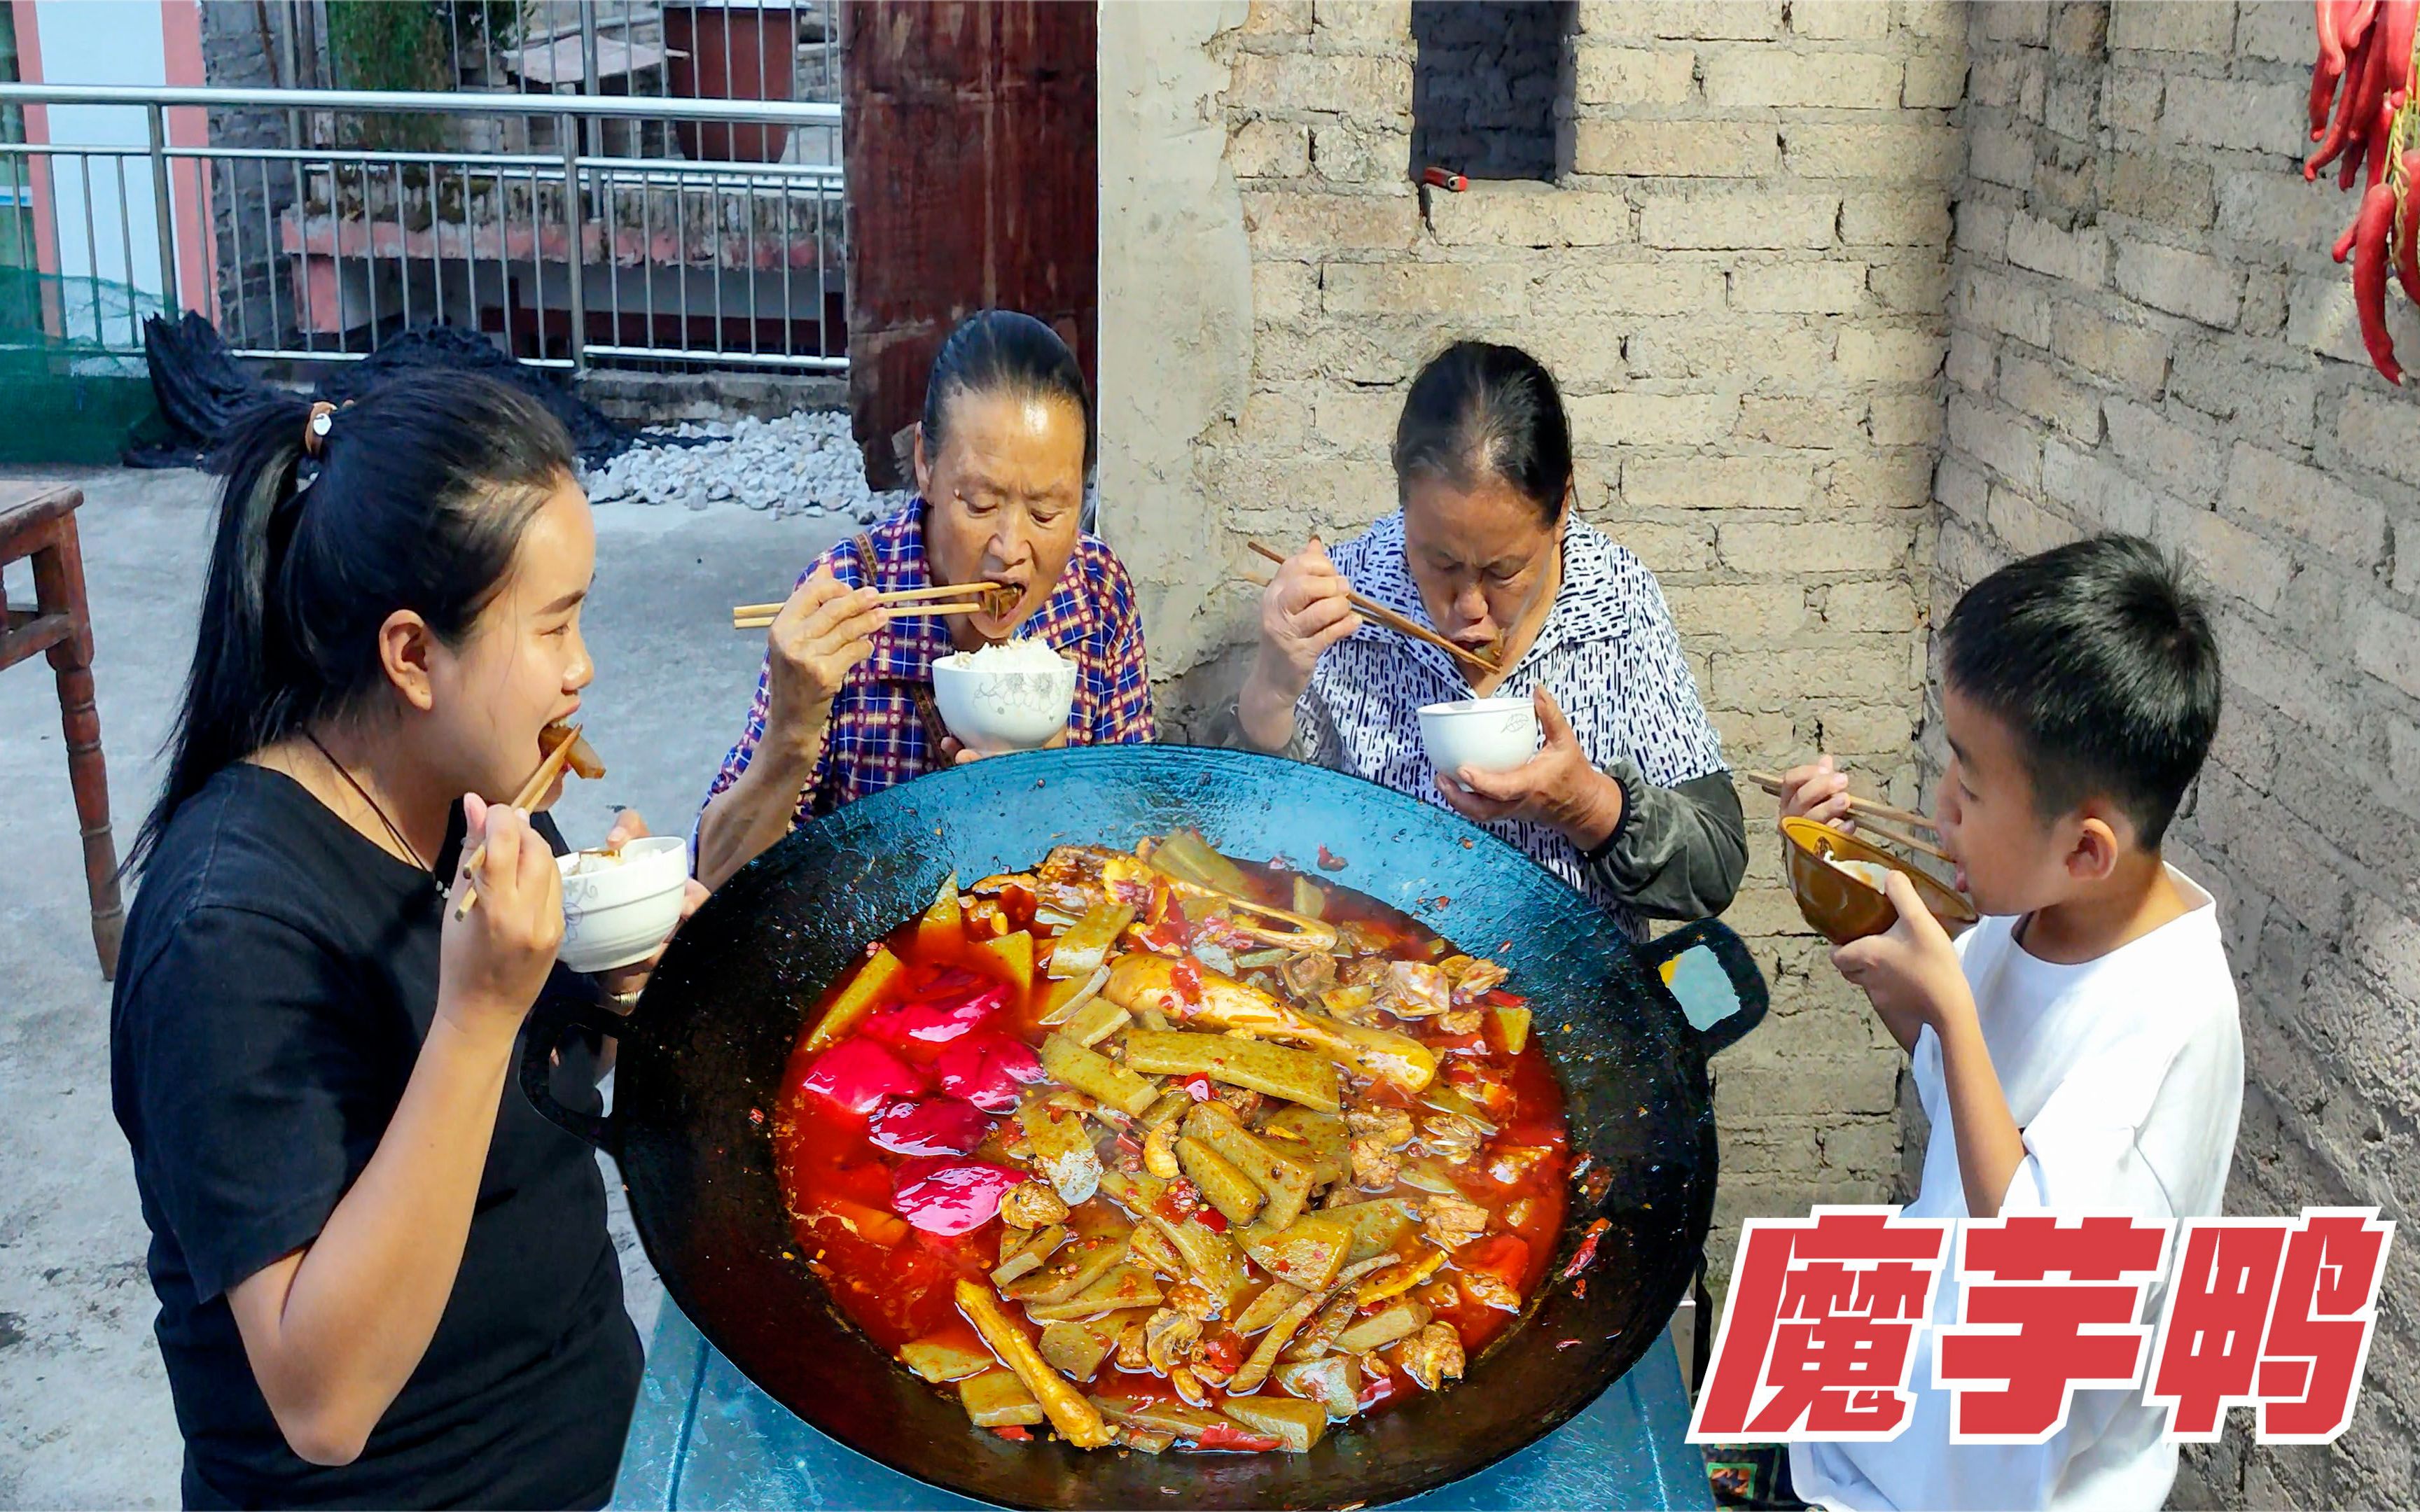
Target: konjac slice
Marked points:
989	1069
942	1359
928	1126
1296	1425
945	1195
997	1398
860	1075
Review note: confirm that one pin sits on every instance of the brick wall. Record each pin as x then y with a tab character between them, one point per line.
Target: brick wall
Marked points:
1742	290
2148	334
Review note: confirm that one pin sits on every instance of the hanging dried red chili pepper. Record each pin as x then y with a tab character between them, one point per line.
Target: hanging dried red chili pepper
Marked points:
2365	70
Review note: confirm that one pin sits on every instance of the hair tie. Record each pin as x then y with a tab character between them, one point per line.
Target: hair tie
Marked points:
315	429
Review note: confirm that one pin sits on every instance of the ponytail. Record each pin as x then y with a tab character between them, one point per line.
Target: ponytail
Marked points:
416	501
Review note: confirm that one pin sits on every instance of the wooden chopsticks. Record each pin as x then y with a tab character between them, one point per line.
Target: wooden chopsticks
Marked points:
1392	621
548	770
1867	811
901	603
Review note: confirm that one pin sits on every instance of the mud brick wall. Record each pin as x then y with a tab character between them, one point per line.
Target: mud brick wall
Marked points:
1741	289
2148	334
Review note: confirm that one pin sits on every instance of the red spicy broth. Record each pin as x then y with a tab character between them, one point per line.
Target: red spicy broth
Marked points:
896	1280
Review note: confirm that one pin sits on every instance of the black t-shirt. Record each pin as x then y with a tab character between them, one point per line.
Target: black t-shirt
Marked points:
278	977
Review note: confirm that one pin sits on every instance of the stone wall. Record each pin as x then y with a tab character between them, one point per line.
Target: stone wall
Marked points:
1742	290
2149	335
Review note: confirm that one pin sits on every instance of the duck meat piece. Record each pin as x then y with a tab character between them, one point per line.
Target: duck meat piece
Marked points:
1452	1222
1170	1337
1451	1137
1033	1205
1309	973
1374	1167
989	1069
860	1075
1413	990
1476	980
1390	1127
930	1126
1434	1356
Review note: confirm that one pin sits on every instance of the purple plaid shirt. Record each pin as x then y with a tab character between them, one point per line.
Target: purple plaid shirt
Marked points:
877	734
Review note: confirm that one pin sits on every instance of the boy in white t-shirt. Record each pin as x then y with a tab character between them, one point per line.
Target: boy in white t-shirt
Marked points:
2078	1051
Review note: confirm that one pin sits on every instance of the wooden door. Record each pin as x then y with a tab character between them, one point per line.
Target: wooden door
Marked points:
968	132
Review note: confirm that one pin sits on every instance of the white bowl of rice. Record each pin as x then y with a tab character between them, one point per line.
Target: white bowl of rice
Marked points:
1015	695
619	905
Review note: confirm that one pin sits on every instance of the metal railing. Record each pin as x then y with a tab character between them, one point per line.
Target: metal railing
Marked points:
569	257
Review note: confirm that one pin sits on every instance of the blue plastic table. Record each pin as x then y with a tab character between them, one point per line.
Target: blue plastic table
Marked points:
705	1438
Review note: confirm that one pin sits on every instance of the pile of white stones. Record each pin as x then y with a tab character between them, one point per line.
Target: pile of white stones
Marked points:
803	464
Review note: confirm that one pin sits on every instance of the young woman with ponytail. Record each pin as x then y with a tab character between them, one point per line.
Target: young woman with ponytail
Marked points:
383	1279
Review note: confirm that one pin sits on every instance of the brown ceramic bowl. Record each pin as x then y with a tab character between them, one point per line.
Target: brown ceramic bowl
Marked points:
1845	906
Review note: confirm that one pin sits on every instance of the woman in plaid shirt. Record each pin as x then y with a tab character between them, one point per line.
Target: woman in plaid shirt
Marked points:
844	704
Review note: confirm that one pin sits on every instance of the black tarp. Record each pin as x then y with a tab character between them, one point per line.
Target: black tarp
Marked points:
201	387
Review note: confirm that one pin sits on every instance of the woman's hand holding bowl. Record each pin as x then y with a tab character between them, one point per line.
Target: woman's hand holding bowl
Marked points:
825	629
1558	787
628	826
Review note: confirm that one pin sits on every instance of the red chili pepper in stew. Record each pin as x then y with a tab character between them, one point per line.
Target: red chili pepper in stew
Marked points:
1586	1254
945	1195
1329	860
1212	1219
1014	1430
858	1074
1219	1436
1198	1088
1224	1351
1187	979
2370	278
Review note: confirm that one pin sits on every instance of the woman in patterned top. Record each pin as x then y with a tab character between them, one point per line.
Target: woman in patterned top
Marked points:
843	706
1629	799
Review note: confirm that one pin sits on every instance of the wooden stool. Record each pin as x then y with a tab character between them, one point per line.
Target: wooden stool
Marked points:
38	520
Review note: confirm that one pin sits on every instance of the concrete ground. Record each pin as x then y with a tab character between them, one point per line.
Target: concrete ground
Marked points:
85	1416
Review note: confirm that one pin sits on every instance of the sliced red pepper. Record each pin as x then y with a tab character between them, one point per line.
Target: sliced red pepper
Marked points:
1330	861
1221	1436
1224	1351
860	1075
946	1194
928	1126
1198	1088
1015	1431
941	1017
1212	1219
986	1070
1505	1257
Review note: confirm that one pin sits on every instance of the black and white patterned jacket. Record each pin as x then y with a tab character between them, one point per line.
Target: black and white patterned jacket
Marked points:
1610	657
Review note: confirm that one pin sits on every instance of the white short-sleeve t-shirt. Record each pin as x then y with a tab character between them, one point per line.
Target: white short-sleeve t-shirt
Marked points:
2126	1074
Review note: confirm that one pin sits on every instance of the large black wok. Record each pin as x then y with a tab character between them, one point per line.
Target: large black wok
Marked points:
703	1054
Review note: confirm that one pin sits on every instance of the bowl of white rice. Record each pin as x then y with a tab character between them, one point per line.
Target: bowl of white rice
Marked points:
1013	696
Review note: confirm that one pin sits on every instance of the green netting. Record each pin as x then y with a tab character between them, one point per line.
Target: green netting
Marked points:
72	379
